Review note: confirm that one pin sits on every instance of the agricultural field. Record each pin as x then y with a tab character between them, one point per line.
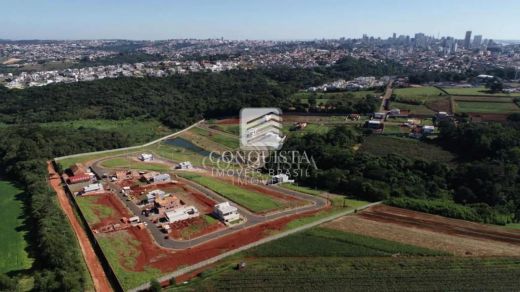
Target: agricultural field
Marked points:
362	274
230	129
325	242
384	145
419	93
465	106
13	230
481	90
254	201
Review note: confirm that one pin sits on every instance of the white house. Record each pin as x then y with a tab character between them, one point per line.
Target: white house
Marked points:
185	165
163	177
428	129
226	212
150	197
281	178
93	188
181	214
146	157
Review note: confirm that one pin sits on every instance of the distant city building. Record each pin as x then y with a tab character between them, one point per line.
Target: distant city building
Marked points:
477	41
467	40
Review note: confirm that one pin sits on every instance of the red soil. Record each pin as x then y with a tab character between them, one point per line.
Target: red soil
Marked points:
118	210
97	273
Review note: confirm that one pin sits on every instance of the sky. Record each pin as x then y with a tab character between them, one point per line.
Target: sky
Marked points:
255	19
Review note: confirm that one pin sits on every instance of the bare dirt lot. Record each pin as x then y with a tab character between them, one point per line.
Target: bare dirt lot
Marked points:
430	231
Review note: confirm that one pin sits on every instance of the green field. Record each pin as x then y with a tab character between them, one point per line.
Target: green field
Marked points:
223	139
418	93
485	107
361	274
231	129
254	201
325	242
420	109
12	230
475	91
93	212
122	251
406	147
301	189
123	162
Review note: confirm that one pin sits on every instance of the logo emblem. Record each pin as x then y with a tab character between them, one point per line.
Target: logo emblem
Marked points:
261	128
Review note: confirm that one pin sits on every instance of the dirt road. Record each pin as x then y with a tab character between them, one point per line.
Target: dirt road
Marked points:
97	273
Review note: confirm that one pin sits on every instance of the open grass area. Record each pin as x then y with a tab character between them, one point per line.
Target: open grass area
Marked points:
384	145
418	93
12	230
223	139
361	274
485	107
481	90
325	242
128	163
122	251
254	201
231	129
420	109
94	213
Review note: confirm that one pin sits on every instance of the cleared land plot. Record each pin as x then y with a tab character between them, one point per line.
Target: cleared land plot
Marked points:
93	211
231	129
254	201
485	107
430	231
324	97
12	239
412	148
420	109
364	274
475	91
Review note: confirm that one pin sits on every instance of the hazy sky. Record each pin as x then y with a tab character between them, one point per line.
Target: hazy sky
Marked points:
255	19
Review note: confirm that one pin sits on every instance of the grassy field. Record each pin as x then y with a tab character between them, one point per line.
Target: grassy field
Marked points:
12	231
485	107
254	201
223	139
122	250
326	242
475	91
231	129
301	189
362	274
93	212
418	93
420	109
385	145
123	162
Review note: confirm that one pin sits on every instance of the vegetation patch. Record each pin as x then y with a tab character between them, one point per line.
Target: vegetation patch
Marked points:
93	212
13	232
485	107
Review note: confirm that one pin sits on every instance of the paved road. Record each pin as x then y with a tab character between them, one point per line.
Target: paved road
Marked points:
315	203
388	94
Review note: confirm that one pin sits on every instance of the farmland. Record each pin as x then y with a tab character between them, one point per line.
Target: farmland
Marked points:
419	93
465	106
12	230
226	140
254	201
361	274
324	242
385	145
324	97
475	91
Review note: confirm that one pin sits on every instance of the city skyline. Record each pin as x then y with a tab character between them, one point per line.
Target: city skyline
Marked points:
266	20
